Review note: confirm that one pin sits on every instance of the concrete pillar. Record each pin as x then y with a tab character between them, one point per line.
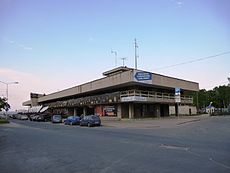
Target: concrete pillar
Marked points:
75	111
84	111
131	110
158	110
119	111
176	109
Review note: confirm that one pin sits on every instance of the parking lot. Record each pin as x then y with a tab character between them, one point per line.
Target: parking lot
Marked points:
184	144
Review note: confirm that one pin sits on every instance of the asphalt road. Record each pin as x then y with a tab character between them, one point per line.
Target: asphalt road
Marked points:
33	147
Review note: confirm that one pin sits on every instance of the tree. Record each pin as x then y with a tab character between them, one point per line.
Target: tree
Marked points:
219	96
3	104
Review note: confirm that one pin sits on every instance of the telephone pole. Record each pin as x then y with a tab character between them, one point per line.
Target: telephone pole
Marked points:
135	48
115	53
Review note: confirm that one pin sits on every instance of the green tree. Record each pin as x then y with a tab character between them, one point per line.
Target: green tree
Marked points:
219	96
3	104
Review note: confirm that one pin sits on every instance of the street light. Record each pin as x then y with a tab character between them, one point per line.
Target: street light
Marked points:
7	88
7	91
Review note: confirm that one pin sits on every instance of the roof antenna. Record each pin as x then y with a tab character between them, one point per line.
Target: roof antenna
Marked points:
123	61
115	53
136	56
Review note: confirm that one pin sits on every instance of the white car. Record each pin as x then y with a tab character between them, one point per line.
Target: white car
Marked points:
23	117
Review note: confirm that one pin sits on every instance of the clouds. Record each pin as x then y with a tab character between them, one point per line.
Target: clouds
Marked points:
19	45
178	3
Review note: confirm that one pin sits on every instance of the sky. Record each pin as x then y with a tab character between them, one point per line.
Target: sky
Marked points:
51	45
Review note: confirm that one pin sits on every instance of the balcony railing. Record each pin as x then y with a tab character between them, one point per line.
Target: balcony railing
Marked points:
123	96
150	96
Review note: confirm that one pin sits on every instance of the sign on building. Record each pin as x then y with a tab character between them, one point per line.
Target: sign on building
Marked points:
142	76
177	95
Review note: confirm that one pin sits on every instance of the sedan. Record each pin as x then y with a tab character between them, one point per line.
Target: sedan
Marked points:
90	120
72	120
56	119
23	117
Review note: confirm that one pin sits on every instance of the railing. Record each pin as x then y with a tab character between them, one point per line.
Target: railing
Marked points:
140	95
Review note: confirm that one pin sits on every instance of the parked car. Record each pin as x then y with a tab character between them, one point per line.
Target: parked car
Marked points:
56	119
90	120
32	117
40	118
23	117
13	116
44	117
72	120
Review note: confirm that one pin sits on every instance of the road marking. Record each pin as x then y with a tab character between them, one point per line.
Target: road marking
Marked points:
185	122
218	163
174	147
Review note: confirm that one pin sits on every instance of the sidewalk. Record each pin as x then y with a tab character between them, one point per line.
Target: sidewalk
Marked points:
147	123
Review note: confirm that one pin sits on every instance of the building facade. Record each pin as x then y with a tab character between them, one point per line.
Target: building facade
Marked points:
124	93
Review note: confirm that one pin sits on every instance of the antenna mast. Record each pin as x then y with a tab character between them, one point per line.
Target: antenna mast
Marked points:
136	56
115	53
123	60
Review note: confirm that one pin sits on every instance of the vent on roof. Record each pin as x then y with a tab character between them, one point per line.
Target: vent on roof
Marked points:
116	71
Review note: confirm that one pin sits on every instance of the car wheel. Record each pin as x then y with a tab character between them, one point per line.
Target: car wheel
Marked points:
71	123
89	125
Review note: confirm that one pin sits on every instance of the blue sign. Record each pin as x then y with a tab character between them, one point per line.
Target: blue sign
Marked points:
142	76
177	90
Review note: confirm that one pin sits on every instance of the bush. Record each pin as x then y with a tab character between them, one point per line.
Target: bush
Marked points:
3	121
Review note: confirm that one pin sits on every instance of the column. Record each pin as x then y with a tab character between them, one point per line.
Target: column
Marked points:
119	111
176	109
74	111
131	110
84	111
158	110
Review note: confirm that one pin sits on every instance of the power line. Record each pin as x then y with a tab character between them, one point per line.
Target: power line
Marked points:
195	60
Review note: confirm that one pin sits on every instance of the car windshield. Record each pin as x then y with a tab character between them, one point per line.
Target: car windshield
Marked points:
57	116
95	117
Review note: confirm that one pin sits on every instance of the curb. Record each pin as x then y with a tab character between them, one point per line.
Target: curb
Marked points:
185	122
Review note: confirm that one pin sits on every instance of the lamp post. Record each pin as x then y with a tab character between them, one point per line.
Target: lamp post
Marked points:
7	90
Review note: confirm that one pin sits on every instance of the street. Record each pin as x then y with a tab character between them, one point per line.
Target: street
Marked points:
34	147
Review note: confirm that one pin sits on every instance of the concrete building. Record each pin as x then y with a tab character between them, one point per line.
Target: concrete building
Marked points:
124	93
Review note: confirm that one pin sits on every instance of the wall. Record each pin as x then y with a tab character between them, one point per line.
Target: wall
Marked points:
118	79
183	110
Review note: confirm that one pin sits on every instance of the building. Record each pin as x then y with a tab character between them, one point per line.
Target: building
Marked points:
124	93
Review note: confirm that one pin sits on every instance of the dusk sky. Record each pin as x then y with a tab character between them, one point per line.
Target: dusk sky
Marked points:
50	45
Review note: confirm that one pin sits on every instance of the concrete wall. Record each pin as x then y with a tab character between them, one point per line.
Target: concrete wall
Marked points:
91	86
119	79
166	81
183	110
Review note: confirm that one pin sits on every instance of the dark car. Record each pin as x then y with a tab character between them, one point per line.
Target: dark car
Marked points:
45	117
72	120
90	120
56	119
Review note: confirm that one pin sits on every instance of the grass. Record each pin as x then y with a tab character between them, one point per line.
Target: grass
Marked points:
3	121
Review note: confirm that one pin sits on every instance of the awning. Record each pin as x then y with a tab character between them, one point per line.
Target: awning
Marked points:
44	109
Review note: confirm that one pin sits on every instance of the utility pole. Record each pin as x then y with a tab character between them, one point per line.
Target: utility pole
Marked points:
135	48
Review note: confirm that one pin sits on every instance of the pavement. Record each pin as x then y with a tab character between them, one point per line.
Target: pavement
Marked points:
163	122
185	144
